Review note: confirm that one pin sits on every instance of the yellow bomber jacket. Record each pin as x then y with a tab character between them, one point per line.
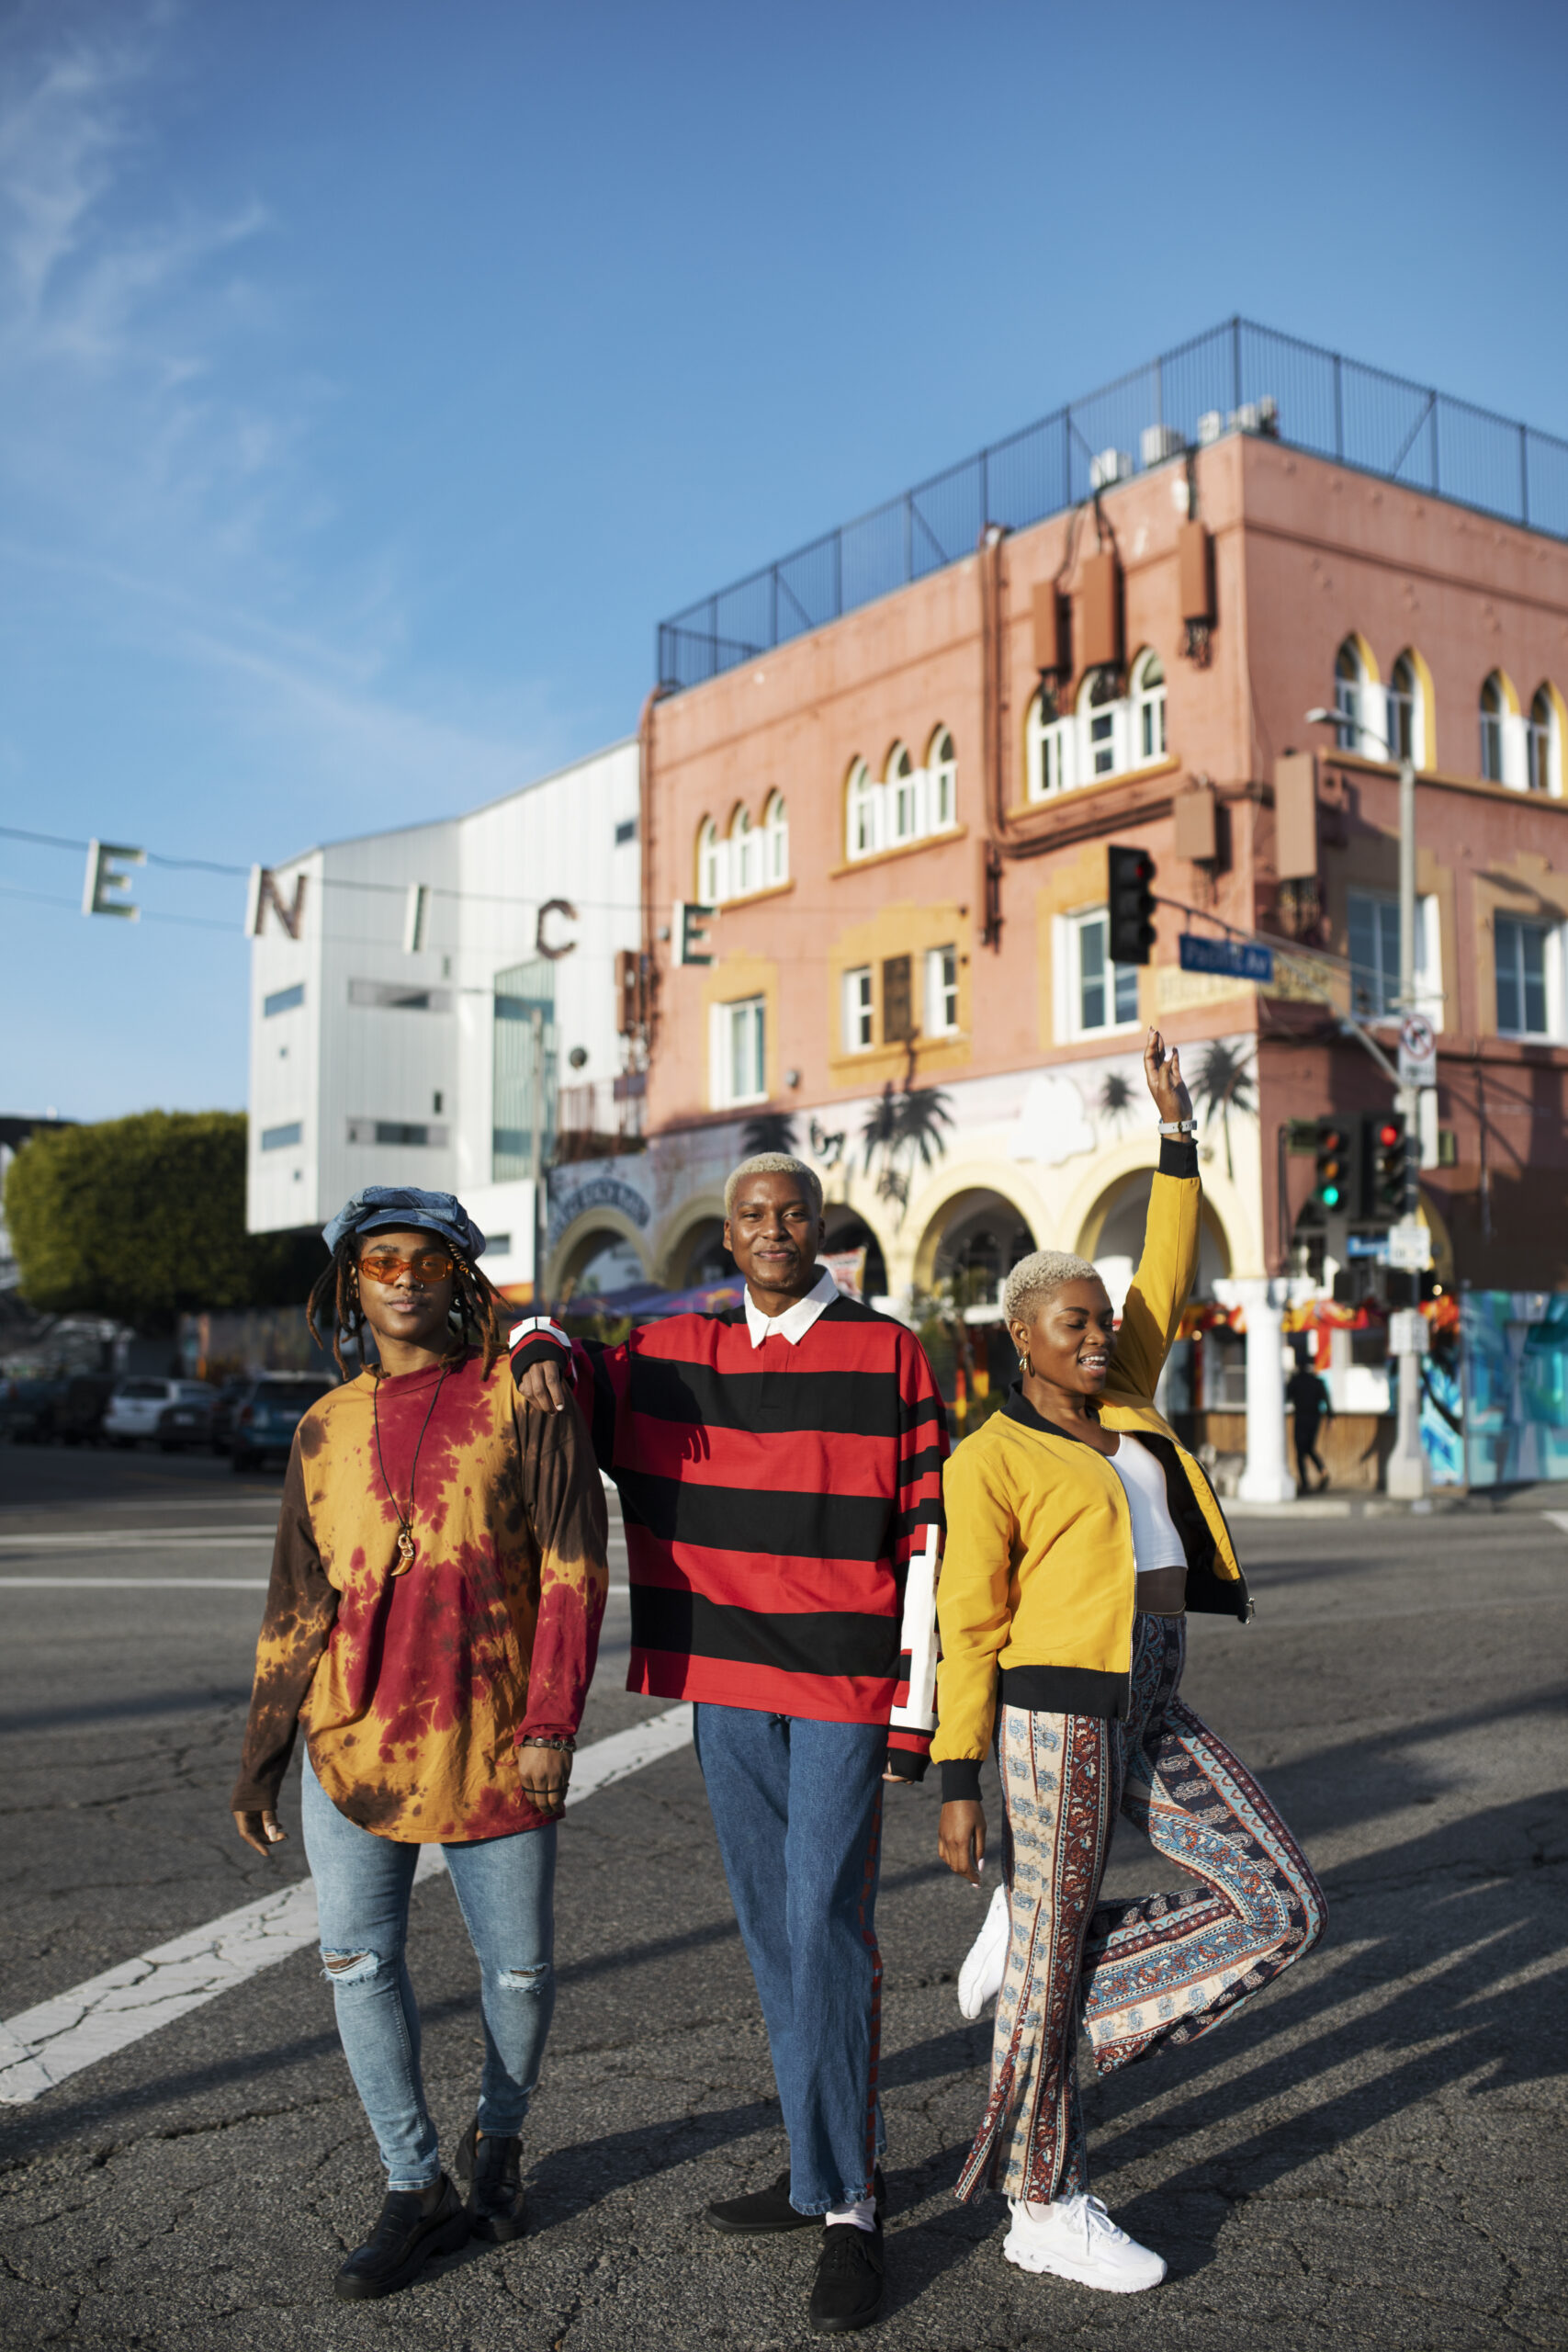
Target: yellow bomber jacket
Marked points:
1035	1605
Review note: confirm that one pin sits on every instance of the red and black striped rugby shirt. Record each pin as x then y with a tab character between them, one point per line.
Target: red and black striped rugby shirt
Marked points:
773	1499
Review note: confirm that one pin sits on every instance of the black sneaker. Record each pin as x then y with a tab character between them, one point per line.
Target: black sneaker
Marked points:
762	2214
847	2290
404	2239
493	2171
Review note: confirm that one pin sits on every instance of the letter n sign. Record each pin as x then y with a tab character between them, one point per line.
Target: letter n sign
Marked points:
264	893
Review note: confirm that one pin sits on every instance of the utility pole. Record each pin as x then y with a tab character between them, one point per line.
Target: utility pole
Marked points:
1407	1462
537	1152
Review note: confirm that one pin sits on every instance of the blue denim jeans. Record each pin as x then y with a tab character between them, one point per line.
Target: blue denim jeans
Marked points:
505	1890
797	1806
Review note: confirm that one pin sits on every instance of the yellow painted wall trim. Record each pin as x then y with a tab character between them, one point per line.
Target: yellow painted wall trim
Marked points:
901	849
739	904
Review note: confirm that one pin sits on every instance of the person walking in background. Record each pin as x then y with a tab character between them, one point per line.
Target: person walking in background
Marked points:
432	1620
1307	1394
780	1472
1079	1530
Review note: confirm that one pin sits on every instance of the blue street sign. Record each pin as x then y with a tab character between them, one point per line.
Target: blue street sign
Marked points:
1367	1244
1237	960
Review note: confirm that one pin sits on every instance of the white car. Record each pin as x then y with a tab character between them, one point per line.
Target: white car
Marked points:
170	1412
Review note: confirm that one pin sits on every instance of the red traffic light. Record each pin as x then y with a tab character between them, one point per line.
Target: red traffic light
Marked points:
1389	1135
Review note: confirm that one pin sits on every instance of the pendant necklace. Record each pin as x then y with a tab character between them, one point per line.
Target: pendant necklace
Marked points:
405	1525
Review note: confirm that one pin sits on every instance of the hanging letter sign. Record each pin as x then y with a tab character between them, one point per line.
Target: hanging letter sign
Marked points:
264	893
107	887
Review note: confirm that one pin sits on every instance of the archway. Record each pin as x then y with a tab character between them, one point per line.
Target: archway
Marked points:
698	1256
598	1258
970	1245
1112	1235
848	1231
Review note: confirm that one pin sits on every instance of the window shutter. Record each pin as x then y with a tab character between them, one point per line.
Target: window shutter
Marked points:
898	1001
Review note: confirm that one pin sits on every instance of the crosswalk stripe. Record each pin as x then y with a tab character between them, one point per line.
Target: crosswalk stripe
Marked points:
44	2045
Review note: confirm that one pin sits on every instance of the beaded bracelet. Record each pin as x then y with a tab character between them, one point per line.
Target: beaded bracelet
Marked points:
566	1743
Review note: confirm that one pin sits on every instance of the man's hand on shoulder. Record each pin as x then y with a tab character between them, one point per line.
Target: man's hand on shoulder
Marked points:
541	1387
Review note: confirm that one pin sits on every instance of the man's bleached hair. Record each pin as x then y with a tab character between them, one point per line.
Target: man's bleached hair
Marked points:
775	1163
1034	1279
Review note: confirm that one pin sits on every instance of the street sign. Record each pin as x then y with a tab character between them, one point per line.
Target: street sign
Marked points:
1237	960
1409	1246
1418	1051
1408	1333
1367	1244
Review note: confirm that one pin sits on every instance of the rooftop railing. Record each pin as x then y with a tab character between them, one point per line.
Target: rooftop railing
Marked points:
1238	376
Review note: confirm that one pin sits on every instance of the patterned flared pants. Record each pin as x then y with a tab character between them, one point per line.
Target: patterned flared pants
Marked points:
1138	1975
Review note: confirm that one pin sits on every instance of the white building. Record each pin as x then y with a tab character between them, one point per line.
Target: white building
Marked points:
404	986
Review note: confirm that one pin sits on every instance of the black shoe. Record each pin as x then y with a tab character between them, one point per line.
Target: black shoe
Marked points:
493	2170
847	2291
768	2210
403	2239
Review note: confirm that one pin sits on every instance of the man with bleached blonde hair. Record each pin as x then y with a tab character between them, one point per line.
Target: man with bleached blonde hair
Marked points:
780	1472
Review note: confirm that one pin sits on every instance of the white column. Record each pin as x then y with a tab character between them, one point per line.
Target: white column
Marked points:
1267	1477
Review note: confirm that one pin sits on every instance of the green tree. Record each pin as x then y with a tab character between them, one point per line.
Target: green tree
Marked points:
144	1219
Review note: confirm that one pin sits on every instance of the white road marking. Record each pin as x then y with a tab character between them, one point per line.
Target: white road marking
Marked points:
170	1584
45	2045
136	1539
1558	1519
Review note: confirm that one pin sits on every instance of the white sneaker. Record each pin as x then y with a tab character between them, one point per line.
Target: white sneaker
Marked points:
1076	2238
980	1978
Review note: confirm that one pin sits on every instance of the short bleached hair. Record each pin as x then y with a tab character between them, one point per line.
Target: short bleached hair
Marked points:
774	1163
1035	1278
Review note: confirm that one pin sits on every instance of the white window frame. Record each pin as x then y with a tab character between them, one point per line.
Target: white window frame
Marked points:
1351	694
744	854
941	766
1428	957
1070	1024
1148	715
1050	765
728	1027
859	1011
941	992
775	837
1544	746
862	809
901	789
713	861
1104	753
1398	696
1552	958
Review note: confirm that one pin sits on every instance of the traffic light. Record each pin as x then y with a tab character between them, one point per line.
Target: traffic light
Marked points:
1388	1155
1331	1189
1131	900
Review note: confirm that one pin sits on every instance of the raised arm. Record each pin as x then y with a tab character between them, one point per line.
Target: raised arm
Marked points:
1151	1315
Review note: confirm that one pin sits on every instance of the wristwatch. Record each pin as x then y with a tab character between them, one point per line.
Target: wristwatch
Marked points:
1178	1126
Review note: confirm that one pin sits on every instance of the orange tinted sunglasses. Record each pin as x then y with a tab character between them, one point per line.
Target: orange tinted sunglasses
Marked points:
385	1266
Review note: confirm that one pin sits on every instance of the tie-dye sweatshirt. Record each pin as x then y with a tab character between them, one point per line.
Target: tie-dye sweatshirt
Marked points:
416	1685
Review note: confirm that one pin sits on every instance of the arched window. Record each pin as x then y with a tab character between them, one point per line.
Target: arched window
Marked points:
710	864
1493	744
864	808
1049	752
744	847
941	766
903	796
1101	713
1350	684
1148	708
775	828
1543	743
1406	712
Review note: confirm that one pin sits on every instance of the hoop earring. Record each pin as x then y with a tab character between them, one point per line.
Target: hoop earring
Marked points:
1025	1367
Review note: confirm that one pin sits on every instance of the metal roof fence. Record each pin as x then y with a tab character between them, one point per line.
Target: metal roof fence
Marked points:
1236	377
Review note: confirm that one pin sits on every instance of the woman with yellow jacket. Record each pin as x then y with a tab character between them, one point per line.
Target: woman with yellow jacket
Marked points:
1079	1532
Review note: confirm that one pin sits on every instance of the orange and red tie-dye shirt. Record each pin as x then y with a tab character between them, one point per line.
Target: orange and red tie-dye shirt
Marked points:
416	1685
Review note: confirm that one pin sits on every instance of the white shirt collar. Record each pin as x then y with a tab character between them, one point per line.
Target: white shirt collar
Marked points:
796	1320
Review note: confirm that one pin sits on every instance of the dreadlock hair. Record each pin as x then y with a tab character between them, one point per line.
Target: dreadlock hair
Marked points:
477	1319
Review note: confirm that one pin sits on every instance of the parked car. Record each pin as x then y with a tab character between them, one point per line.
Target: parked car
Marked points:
272	1410
77	1417
229	1399
139	1406
28	1408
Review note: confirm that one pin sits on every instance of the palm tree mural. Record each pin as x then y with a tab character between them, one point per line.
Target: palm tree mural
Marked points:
899	1127
1224	1081
1116	1098
769	1131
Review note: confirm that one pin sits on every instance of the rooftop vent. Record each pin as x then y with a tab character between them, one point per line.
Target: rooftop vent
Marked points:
1110	466
1159	443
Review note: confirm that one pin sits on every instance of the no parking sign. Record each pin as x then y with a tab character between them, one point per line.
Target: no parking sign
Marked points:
1418	1051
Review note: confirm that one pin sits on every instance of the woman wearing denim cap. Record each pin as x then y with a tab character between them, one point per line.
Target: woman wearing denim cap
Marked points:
432	1620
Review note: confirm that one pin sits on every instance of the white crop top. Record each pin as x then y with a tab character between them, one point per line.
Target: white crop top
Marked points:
1156	1544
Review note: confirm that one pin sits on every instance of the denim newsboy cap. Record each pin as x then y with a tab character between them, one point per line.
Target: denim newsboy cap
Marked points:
387	1208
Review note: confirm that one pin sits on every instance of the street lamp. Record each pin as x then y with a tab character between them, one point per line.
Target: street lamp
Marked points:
1407	1464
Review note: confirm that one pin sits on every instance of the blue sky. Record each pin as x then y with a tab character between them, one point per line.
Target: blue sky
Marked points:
374	377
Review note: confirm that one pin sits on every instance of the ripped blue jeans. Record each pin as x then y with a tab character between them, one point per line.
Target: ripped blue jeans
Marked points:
505	1890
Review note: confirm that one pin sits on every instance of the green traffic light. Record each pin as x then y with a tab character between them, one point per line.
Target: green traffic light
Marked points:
1329	1196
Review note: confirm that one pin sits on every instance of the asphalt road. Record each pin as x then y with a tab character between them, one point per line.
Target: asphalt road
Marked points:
1374	2154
